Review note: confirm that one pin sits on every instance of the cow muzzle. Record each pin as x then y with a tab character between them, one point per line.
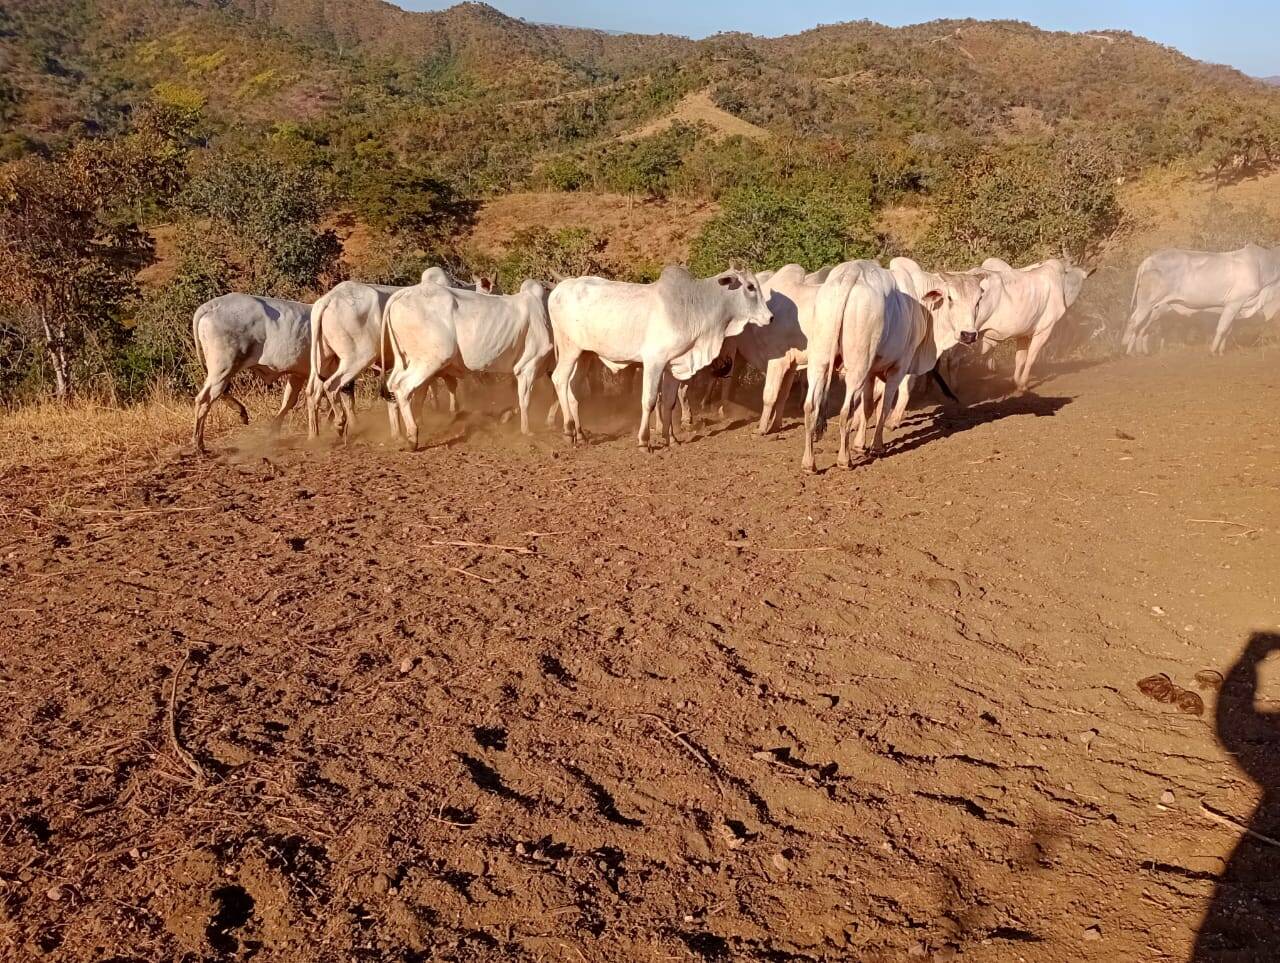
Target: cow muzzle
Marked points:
968	337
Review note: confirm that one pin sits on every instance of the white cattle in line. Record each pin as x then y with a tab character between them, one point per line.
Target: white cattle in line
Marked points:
1030	301
268	336
674	327
432	331
875	320
1234	284
955	302
346	337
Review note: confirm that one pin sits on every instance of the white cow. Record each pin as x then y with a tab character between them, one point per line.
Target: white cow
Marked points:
955	302
1235	284
675	326
266	335
777	351
882	328
346	337
432	331
1029	302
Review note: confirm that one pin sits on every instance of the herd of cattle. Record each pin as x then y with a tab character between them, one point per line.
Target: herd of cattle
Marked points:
881	328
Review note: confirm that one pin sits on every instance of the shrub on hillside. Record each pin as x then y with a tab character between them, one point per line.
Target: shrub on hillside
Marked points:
265	217
548	255
1024	202
766	227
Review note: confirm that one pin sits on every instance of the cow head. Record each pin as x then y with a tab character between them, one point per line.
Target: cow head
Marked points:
747	303
960	308
1072	281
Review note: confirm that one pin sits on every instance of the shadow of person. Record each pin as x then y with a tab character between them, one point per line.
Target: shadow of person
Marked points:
1243	922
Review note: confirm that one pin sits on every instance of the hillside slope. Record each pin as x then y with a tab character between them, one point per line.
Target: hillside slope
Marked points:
262	59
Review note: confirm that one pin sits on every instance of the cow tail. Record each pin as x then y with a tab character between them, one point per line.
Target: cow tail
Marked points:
196	318
845	286
317	313
941	382
1137	281
385	352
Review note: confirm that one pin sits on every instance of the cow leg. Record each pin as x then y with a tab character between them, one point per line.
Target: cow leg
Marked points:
904	398
1136	331
449	384
235	403
562	377
214	387
669	394
1227	319
293	387
343	412
866	411
846	425
892	385
814	416
1019	360
313	407
411	387
1033	351
525	376
686	413
726	388
776	374
650	385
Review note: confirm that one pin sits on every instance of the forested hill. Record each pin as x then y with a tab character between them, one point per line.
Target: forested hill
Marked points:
199	146
72	62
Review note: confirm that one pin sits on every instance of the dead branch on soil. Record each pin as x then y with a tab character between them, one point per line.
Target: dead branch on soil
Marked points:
686	745
1216	521
517	549
187	758
782	551
138	512
469	574
1225	820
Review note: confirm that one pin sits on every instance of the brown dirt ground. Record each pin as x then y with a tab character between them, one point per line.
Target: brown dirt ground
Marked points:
703	707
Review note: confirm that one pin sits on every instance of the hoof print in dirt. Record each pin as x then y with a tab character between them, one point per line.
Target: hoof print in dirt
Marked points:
234	907
946	587
1163	689
491	737
545	850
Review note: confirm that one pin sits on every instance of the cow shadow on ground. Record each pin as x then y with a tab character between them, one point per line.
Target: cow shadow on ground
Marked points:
942	423
1242	924
977	384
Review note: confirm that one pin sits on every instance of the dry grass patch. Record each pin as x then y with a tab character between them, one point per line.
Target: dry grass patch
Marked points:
85	436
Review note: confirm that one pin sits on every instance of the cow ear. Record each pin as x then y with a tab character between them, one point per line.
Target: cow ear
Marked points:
730	281
484	284
934	300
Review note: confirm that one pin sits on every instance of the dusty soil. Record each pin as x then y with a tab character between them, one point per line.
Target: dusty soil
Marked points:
501	699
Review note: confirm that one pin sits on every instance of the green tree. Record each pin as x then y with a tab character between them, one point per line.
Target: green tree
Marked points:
765	227
266	217
1024	203
69	252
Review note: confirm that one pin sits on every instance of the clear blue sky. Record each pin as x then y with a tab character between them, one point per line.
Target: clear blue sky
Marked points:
1243	33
